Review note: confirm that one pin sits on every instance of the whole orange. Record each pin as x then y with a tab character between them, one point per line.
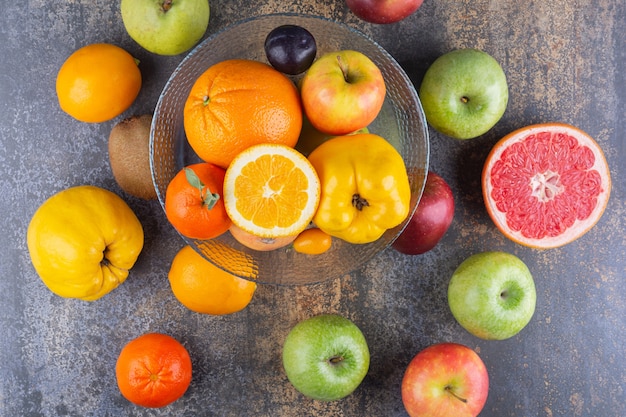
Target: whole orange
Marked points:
194	203
153	370
204	288
98	82
238	103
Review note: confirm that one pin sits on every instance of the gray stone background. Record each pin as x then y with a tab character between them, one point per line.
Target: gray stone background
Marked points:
565	61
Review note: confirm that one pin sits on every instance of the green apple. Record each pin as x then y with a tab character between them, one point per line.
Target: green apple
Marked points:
464	93
326	357
165	27
342	92
445	379
492	295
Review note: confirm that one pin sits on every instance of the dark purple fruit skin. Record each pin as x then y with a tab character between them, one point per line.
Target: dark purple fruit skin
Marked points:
290	49
431	219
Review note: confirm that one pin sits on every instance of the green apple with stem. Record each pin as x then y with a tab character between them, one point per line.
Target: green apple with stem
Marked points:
326	357
492	295
166	27
464	93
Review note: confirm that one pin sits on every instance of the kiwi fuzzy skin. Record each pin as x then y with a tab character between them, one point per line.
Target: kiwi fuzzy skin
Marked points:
129	156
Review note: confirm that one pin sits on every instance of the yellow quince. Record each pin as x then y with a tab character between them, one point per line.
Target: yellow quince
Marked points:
83	241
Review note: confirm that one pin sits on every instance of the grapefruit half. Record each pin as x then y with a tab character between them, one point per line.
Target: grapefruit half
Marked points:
546	185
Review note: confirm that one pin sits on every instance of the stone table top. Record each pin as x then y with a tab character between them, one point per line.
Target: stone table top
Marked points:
565	61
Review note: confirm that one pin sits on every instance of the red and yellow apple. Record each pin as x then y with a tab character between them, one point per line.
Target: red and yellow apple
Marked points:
445	379
342	92
383	11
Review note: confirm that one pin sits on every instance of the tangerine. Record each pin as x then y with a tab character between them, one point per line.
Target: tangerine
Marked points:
312	241
194	203
204	288
98	82
545	185
153	370
239	103
271	191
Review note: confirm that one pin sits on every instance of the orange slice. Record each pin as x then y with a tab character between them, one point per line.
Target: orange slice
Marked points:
271	190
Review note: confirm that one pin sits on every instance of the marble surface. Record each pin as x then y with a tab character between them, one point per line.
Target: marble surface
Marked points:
565	61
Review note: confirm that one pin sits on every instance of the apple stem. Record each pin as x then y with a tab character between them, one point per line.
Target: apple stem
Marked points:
449	389
336	360
166	5
464	100
344	68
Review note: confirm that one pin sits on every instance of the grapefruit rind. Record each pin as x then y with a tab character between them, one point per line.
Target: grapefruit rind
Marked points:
579	226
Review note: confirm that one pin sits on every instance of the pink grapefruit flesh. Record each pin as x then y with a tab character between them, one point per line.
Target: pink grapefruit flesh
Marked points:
546	185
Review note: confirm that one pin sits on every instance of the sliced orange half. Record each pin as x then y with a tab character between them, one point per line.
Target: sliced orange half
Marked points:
271	190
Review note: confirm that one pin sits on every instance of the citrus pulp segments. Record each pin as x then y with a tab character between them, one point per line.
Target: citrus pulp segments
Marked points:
546	185
253	185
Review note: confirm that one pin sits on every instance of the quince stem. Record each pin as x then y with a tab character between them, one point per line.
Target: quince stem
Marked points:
359	202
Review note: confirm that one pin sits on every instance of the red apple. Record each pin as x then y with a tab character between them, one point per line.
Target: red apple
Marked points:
445	379
431	219
342	92
383	11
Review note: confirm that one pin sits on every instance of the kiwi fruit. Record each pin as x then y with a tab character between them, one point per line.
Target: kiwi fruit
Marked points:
130	158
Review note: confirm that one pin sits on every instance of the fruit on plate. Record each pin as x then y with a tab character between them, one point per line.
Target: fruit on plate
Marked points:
385	11
129	156
546	185
365	187
271	191
194	202
83	241
290	49
464	93
492	295
97	83
342	92
165	27
431	219
153	370
205	288
326	357
445	379
238	103
312	241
